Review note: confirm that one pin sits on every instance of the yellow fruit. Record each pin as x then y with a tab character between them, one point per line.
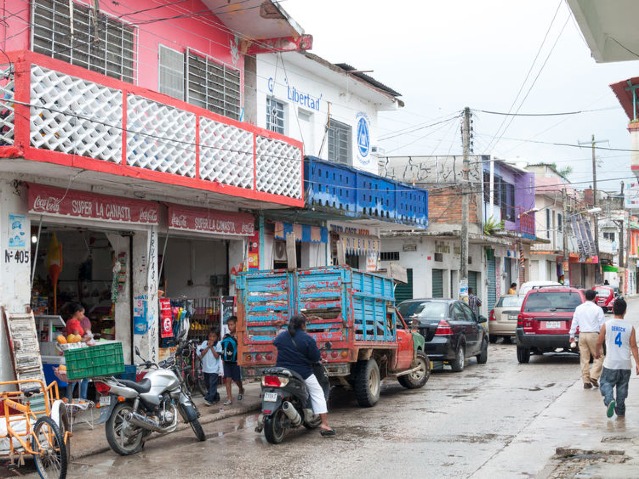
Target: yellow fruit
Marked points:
61	339
62	368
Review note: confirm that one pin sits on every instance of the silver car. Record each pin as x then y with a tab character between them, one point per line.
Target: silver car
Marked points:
502	320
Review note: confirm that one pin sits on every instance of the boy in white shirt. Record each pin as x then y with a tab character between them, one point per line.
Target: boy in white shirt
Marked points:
209	353
620	340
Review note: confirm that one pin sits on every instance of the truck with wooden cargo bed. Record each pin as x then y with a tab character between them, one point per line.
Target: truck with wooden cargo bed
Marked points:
350	313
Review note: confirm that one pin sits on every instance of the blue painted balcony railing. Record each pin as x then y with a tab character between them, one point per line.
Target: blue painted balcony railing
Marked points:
346	191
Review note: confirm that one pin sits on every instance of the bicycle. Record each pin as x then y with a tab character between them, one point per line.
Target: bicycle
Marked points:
190	367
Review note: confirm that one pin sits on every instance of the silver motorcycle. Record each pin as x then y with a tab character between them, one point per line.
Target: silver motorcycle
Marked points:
133	410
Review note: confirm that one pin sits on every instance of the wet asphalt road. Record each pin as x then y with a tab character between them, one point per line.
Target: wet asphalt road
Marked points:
453	427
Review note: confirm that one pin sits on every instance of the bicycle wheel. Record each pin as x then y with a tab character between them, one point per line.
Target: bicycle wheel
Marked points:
49	451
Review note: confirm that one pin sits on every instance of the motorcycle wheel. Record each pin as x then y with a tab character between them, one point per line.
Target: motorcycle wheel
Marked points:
274	428
197	429
123	437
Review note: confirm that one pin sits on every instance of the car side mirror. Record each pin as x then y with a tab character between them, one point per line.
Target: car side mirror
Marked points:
482	319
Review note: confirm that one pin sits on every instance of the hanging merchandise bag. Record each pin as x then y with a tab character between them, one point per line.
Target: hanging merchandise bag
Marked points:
166	319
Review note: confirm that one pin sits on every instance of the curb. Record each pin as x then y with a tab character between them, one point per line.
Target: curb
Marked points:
204	419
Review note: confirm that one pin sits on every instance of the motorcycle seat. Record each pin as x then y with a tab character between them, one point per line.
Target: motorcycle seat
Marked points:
142	387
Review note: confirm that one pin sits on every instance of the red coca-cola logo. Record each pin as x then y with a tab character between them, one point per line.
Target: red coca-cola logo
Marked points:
149	215
179	221
47	203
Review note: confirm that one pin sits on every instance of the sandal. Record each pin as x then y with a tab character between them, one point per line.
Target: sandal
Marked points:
327	432
228	403
240	396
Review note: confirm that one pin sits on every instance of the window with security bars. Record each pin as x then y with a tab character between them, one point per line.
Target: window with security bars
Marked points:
507	201
389	256
339	142
213	86
72	32
171	72
274	115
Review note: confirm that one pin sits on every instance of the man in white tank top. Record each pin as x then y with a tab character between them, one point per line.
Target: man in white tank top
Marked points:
620	340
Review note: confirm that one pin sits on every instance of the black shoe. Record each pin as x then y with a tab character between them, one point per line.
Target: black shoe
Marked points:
587	386
594	382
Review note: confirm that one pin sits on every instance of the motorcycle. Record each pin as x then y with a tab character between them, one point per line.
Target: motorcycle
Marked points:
133	410
286	404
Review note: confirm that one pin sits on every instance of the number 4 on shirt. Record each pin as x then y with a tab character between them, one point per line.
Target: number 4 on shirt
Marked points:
618	339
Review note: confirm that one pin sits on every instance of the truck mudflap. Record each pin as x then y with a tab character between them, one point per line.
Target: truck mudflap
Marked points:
419	342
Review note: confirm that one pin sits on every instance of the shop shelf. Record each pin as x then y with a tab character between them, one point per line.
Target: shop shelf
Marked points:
100	360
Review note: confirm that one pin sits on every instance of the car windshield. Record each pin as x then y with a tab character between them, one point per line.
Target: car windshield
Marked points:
510	302
560	301
426	309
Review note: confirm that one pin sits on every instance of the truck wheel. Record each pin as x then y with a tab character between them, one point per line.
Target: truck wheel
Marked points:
523	355
482	357
460	359
367	383
419	377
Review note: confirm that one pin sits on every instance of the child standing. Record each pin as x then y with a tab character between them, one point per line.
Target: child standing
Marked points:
620	342
209	352
232	371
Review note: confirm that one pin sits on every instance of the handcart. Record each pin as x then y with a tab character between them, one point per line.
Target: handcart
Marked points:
32	423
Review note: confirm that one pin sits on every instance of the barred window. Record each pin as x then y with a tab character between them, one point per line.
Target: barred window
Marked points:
389	256
339	142
274	115
213	86
75	35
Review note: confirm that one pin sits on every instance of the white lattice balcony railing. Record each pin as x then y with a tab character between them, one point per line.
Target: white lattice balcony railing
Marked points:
53	111
544	247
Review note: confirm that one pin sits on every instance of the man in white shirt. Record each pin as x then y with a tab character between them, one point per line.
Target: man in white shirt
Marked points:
209	352
620	342
588	318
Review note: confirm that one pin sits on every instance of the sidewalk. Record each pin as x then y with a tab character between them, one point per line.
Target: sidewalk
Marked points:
87	442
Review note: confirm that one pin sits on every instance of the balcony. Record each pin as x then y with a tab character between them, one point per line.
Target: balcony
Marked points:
63	115
336	191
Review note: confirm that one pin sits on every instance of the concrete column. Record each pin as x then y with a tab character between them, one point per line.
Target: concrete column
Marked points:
237	254
15	265
145	282
120	245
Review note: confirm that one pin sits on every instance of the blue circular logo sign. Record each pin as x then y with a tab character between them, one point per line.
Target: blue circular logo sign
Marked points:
363	136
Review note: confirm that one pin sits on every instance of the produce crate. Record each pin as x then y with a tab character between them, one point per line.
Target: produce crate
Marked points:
100	360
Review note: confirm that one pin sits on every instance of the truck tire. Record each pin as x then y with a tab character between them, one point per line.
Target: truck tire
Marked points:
367	383
417	378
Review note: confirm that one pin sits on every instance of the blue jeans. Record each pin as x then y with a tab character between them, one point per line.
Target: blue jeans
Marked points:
611	379
84	387
211	381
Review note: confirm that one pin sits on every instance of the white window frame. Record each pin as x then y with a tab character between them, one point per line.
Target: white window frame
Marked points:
342	152
171	69
275	115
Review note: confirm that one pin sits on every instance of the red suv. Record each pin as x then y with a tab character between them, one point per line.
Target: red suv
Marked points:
543	325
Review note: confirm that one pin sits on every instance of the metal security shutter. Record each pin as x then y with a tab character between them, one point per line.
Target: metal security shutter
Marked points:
438	283
404	291
492	283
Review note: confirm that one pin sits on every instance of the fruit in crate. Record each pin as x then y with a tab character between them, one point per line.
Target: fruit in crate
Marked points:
62	368
61	339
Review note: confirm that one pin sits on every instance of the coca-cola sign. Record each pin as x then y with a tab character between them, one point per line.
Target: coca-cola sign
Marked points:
80	204
211	221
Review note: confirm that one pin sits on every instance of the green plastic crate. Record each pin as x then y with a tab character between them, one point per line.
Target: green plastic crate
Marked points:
100	360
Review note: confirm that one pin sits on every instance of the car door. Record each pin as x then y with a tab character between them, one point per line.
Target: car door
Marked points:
472	332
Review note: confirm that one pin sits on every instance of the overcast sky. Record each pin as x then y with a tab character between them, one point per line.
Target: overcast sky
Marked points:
447	54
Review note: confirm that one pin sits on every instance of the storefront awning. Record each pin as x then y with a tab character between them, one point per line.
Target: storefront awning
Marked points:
58	202
303	233
186	218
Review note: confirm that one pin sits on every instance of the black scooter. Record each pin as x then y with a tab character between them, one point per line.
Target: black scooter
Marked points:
286	404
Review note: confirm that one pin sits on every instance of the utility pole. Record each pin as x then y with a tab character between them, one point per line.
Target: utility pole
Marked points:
564	235
620	224
598	279
465	191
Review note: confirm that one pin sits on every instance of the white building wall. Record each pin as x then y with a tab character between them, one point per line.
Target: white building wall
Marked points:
306	96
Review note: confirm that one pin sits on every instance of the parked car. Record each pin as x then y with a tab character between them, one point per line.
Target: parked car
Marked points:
502	319
543	325
527	286
605	297
452	331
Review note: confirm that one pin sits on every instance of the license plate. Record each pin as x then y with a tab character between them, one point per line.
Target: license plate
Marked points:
270	397
553	324
105	400
512	316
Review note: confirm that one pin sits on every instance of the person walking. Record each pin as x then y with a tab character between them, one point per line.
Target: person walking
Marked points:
297	350
473	301
589	318
209	353
232	371
620	340
513	288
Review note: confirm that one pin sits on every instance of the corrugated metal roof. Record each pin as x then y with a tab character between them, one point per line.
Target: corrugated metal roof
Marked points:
368	79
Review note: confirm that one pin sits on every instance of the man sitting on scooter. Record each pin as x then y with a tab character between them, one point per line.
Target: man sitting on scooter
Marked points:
297	351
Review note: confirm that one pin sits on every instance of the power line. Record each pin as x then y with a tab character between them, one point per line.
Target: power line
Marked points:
545	114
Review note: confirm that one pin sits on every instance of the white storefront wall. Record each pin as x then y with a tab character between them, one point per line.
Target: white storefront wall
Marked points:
422	262
306	96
